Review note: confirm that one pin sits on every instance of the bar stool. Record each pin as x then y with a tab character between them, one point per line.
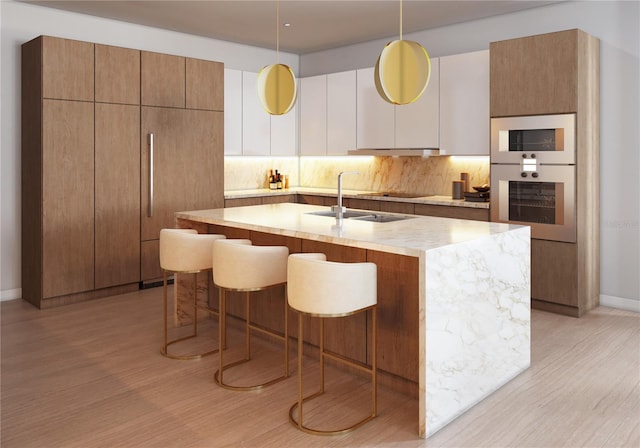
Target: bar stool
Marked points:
241	267
324	289
185	251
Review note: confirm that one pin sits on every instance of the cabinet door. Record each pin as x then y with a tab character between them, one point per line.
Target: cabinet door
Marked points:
67	69
117	75
535	75
313	116
256	122
232	112
284	136
376	117
341	112
117	194
417	124
204	84
67	197
162	80
187	165
464	104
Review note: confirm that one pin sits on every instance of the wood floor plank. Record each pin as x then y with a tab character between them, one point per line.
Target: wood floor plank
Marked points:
90	374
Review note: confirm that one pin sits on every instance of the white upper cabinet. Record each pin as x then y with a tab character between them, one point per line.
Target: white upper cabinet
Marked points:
284	141
256	122
382	125
313	115
417	124
464	104
341	112
232	112
328	114
375	116
264	134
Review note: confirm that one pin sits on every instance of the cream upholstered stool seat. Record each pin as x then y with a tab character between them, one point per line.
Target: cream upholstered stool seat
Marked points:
325	289
185	251
239	266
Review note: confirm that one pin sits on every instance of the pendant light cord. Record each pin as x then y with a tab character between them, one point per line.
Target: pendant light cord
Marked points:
277	31
400	19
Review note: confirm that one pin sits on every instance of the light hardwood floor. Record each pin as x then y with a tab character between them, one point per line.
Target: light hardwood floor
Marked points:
90	375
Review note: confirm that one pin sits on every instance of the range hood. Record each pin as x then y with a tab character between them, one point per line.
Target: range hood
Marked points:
417	152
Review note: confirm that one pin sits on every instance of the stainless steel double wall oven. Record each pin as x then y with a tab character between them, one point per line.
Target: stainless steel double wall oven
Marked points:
533	174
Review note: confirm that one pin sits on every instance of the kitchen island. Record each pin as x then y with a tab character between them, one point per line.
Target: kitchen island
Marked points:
453	295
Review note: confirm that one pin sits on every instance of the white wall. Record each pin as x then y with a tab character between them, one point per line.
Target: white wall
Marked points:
22	22
617	25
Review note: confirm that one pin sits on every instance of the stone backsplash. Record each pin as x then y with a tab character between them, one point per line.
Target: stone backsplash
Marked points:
426	176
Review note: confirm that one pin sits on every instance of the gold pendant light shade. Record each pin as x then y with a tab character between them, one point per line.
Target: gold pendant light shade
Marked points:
402	71
277	88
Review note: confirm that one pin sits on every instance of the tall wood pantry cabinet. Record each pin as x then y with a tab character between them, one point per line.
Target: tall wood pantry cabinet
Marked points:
558	73
87	110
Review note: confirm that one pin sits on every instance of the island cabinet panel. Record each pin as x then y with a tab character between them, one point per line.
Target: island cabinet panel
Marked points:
117	194
534	75
162	80
67	197
398	322
117	75
67	69
346	336
203	81
187	154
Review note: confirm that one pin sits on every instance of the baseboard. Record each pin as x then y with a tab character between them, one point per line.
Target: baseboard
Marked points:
620	303
10	294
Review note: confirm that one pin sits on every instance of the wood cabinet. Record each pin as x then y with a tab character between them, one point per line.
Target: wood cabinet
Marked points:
162	80
475	214
117	74
81	162
464	104
66	69
202	84
187	165
558	73
67	197
535	75
117	194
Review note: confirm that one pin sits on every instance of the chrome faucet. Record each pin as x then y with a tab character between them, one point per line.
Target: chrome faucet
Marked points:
339	209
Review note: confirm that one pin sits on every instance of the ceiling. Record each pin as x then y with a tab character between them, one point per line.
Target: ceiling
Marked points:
315	24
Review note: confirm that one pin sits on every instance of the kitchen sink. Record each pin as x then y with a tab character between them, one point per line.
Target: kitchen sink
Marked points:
348	214
364	216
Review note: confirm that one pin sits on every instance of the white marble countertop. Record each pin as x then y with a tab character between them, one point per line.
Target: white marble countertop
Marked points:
411	237
355	194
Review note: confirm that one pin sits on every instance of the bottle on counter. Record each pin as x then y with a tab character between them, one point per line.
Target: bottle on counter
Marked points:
272	181
278	180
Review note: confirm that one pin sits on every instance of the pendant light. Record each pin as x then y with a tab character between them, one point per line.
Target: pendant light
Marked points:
276	82
402	71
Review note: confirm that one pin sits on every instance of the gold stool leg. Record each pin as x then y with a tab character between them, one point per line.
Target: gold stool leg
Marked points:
301	400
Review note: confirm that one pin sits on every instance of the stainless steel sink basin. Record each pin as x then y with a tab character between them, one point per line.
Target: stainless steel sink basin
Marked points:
348	214
382	218
364	216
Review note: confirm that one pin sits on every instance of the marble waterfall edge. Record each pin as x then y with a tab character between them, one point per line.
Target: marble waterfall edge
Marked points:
477	322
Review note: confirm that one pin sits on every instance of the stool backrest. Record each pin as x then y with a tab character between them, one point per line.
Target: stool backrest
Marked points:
237	264
326	288
185	250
